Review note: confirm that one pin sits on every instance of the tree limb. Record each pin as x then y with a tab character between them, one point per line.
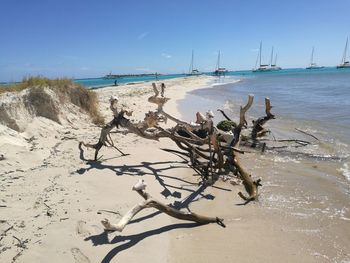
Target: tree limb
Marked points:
140	188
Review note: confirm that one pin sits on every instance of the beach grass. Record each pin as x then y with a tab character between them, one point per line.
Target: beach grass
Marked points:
64	88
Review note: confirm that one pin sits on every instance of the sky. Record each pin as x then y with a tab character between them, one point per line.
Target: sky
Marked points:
86	38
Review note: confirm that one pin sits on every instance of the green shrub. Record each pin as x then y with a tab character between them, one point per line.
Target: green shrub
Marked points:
226	125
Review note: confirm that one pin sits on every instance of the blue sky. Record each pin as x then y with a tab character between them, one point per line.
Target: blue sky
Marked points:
85	38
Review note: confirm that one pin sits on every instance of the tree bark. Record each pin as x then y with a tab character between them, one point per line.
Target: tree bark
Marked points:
150	202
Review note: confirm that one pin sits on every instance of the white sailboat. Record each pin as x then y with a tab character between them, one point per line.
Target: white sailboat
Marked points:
344	63
273	66
219	71
192	71
262	67
313	65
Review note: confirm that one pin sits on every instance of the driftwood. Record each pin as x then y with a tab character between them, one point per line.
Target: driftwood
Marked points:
212	152
258	129
149	202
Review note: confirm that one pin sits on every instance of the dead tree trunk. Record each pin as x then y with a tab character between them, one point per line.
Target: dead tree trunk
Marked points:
250	185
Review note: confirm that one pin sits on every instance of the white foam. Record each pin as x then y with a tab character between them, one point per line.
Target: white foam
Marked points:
286	159
345	171
226	81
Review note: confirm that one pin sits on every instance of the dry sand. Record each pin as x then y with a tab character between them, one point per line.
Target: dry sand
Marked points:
52	194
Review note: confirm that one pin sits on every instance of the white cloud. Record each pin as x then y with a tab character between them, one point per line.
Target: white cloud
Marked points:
165	55
142	36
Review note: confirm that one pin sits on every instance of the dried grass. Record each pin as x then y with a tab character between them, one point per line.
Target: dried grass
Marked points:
42	104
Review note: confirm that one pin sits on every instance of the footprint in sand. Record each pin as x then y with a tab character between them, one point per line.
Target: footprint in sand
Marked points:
81	229
79	257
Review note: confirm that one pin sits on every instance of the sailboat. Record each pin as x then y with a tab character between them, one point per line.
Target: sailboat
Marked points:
344	63
219	71
273	66
192	71
262	67
313	65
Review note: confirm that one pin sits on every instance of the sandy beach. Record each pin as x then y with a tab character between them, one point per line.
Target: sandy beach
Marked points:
53	196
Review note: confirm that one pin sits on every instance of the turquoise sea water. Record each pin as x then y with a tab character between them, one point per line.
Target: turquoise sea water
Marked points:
102	82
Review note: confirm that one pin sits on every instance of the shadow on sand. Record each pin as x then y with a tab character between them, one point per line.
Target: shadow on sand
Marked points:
132	240
148	168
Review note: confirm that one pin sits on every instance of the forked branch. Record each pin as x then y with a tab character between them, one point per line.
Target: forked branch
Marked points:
140	188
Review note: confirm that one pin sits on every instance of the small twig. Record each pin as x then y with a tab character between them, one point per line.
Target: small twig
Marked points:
8	229
21	244
47	206
49	210
233	148
108	211
304	132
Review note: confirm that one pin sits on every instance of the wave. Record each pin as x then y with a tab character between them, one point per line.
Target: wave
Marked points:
345	171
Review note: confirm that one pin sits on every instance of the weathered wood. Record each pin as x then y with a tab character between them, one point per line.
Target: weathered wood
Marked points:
250	185
149	201
211	151
258	129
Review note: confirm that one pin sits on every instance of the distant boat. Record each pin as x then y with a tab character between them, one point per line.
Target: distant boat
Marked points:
273	66
219	71
344	63
262	67
192	71
313	65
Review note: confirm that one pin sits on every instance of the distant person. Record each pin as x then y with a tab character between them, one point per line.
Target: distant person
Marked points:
116	83
156	76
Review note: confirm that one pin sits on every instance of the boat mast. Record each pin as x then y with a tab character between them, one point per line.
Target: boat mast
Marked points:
191	65
345	50
275	60
271	57
312	57
256	61
260	53
218	60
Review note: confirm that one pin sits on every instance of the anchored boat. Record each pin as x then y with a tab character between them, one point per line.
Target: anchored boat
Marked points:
344	63
313	65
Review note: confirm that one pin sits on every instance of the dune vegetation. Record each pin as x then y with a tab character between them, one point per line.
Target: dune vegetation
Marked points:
66	90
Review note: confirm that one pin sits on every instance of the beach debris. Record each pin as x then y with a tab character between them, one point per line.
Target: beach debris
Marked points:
108	211
149	201
212	152
2	157
307	133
